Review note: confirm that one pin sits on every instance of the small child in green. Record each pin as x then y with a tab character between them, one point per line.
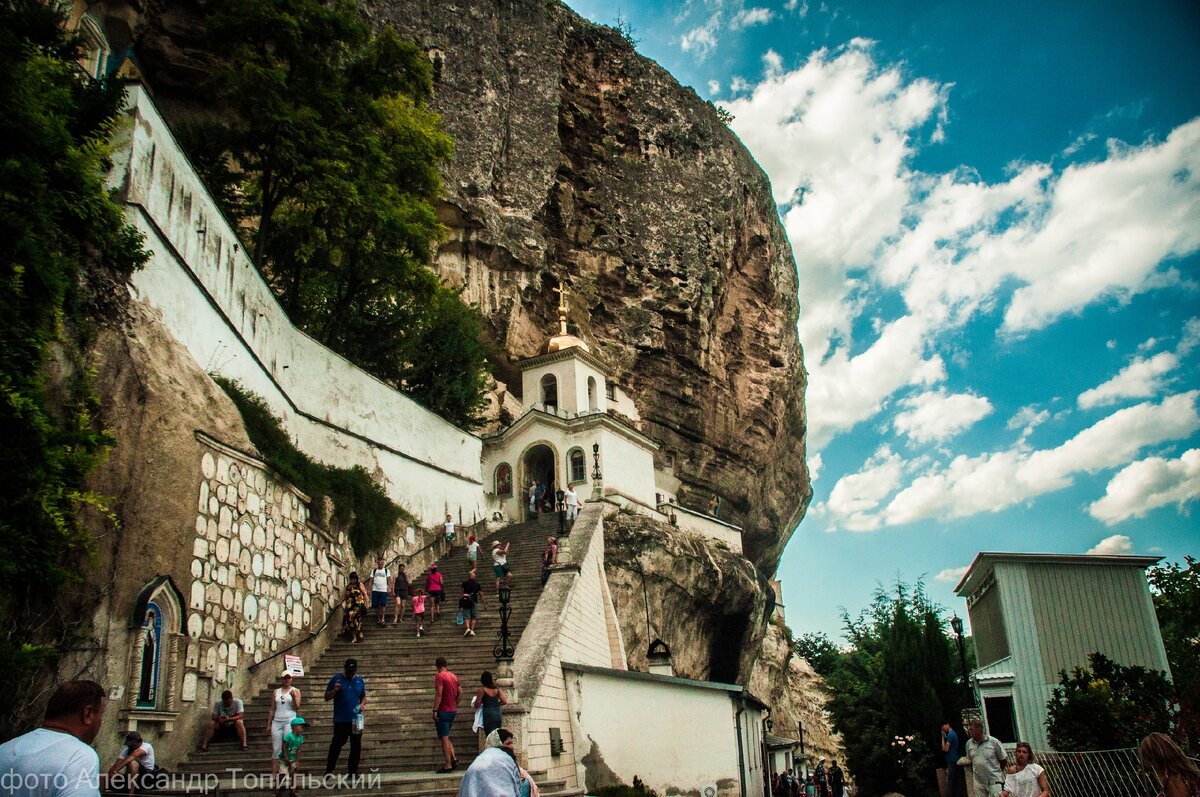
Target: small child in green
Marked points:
289	753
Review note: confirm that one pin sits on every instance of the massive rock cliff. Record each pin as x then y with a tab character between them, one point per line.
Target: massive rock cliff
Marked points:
579	160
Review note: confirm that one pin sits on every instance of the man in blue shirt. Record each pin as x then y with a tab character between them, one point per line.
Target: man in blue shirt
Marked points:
348	692
950	754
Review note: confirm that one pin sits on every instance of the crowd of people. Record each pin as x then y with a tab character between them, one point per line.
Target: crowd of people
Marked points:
824	781
60	750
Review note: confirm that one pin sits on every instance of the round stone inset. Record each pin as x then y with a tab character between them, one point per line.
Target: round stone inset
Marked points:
208	466
250	609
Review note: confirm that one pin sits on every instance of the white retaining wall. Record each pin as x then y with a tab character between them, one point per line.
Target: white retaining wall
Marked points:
572	622
214	302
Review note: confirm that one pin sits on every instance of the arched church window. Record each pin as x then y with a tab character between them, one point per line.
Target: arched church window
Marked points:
578	465
593	399
550	393
157	628
147	694
94	58
504	479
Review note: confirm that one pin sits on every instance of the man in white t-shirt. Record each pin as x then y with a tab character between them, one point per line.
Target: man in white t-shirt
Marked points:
57	760
134	766
500	563
449	527
381	586
572	502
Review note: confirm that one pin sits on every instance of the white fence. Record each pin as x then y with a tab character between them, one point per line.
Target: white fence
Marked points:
1098	773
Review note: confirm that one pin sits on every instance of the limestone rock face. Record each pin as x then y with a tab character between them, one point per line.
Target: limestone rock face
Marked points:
706	602
577	159
796	694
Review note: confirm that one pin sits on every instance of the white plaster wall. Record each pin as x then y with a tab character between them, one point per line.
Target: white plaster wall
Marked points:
531	385
581	373
623	404
214	302
685	735
626	467
706	527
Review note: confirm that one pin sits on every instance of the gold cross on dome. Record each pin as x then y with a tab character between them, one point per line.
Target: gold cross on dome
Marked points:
562	292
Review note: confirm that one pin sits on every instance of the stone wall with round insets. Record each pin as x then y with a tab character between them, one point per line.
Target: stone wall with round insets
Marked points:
263	576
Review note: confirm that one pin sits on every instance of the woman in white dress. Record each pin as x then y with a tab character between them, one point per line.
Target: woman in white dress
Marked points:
285	705
1025	779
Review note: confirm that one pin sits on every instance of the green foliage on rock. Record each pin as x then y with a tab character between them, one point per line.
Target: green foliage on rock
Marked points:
896	682
1107	707
57	222
1176	592
359	503
329	164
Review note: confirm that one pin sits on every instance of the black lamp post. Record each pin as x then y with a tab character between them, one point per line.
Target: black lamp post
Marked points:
596	462
956	624
803	757
503	651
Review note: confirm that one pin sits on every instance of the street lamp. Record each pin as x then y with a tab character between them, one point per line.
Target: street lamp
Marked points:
956	623
503	651
597	483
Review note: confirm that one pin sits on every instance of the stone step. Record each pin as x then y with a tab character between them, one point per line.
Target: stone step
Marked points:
399	670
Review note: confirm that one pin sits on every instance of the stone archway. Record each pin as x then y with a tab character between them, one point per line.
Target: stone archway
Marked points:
538	465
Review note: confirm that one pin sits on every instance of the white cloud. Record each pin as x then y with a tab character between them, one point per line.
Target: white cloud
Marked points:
834	136
855	495
1148	484
701	40
793	5
1027	419
751	16
1116	545
845	390
952	575
1190	338
1140	379
815	463
738	84
837	137
772	62
997	480
936	416
714	87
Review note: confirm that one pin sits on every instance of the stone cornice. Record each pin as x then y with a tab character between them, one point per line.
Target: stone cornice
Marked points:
565	354
578	423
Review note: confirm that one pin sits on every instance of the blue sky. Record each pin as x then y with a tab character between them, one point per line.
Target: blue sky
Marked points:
996	219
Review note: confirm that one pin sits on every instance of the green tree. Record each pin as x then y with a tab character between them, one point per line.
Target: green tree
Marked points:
1176	591
57	225
330	164
1108	706
895	684
820	652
